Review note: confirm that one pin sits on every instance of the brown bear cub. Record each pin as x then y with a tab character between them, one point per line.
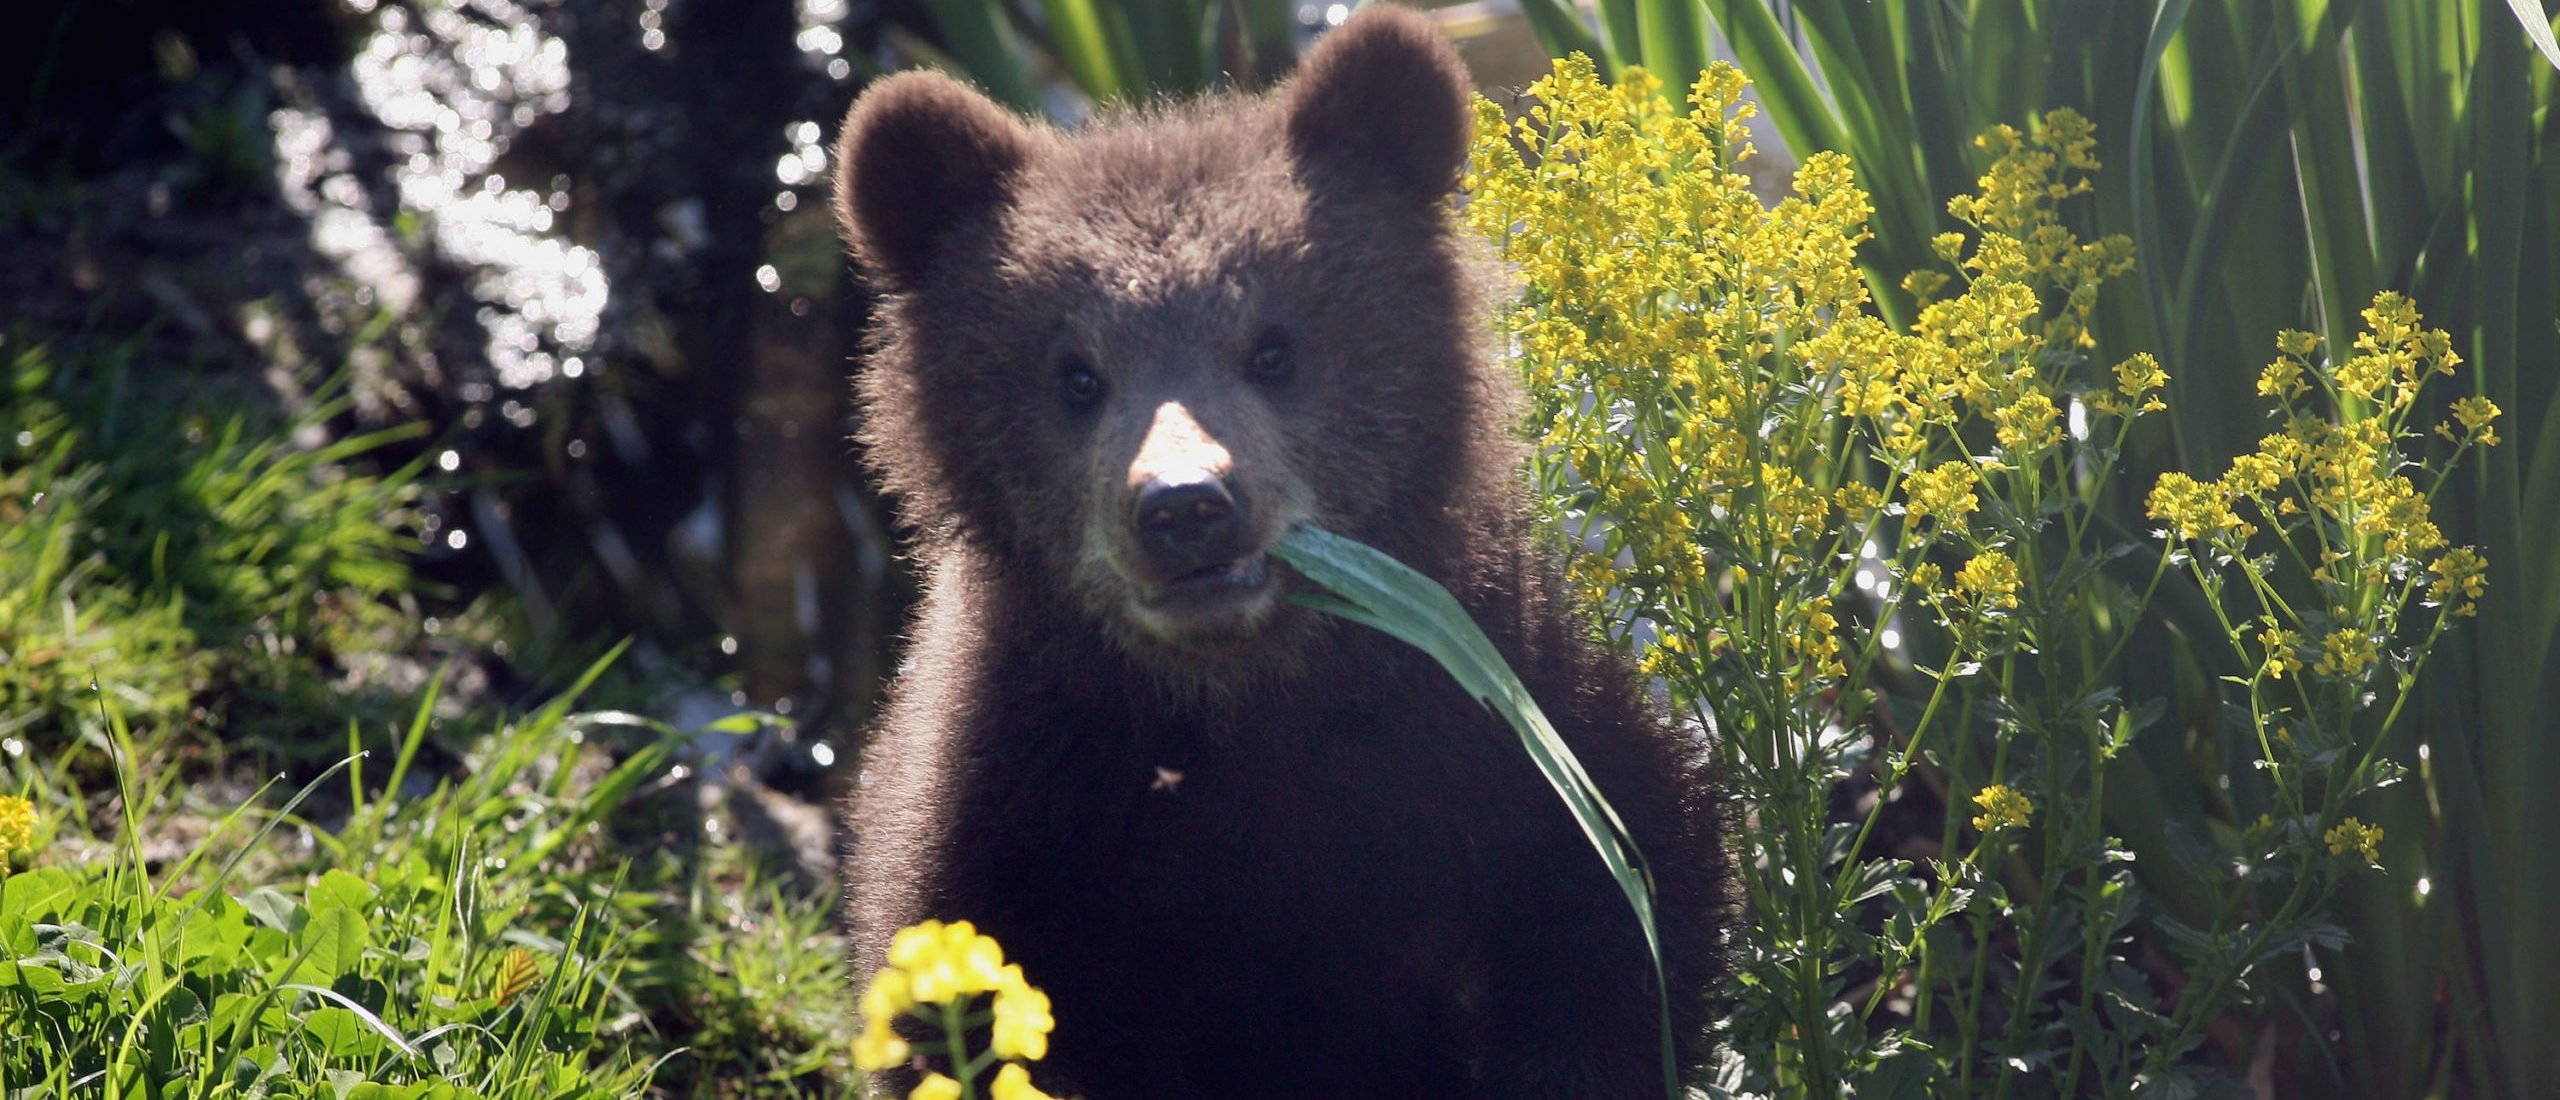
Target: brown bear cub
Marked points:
1248	849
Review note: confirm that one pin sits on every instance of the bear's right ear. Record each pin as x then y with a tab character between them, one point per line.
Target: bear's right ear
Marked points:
920	155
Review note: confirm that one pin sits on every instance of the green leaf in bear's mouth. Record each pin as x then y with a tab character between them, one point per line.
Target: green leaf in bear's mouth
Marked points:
1366	586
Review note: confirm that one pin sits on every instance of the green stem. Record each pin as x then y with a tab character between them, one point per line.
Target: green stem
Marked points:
955	1036
2093	936
2192	1008
1910	752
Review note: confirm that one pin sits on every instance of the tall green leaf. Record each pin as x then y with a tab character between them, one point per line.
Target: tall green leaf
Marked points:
983	45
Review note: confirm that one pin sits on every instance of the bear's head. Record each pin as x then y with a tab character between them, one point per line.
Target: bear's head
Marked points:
1115	365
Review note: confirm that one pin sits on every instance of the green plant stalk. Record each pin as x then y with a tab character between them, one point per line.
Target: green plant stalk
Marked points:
956	1048
1894	775
2093	947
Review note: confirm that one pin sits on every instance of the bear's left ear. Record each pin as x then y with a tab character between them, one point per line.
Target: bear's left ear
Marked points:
1383	98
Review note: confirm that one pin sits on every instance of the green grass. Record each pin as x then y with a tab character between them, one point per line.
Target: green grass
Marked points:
185	556
490	938
446	900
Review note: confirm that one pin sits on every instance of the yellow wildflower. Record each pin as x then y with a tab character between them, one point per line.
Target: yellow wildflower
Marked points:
1014	1083
2002	808
882	1002
2259	472
2283	378
1945	491
2026	175
935	1087
2357	836
2475	413
1817	642
2028	424
2195	510
2072	137
877	1047
933	963
2460	572
1991	577
1857	501
17	831
1022	1020
1707	374
888	995
2280	645
2347	651
2392	509
2365	376
944	961
2140	379
1667	655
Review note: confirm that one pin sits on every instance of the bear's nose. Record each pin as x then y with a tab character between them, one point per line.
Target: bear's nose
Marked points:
1187	525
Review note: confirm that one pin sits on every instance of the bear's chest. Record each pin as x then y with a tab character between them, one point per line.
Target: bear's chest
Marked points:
1349	877
1412	818
1343	806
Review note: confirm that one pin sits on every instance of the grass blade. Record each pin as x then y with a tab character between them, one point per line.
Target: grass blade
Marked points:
1619	33
1560	29
1674	44
1084	48
2537	27
984	46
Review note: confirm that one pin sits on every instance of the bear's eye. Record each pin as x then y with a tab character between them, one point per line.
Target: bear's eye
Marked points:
1271	364
1083	388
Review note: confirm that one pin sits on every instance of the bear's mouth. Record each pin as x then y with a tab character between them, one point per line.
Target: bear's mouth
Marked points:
1249	572
1209	595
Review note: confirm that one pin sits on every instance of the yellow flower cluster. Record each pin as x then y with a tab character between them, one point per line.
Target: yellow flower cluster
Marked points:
1695	358
2198	512
2338	490
2346	652
2002	808
1987	345
2024	181
1012	1082
2475	414
2280	645
2356	836
2395	355
1663	301
17	832
2139	381
2029	424
1990	578
947	965
1944	491
1817	639
2459	575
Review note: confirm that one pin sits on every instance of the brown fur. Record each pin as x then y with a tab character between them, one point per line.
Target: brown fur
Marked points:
1360	885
